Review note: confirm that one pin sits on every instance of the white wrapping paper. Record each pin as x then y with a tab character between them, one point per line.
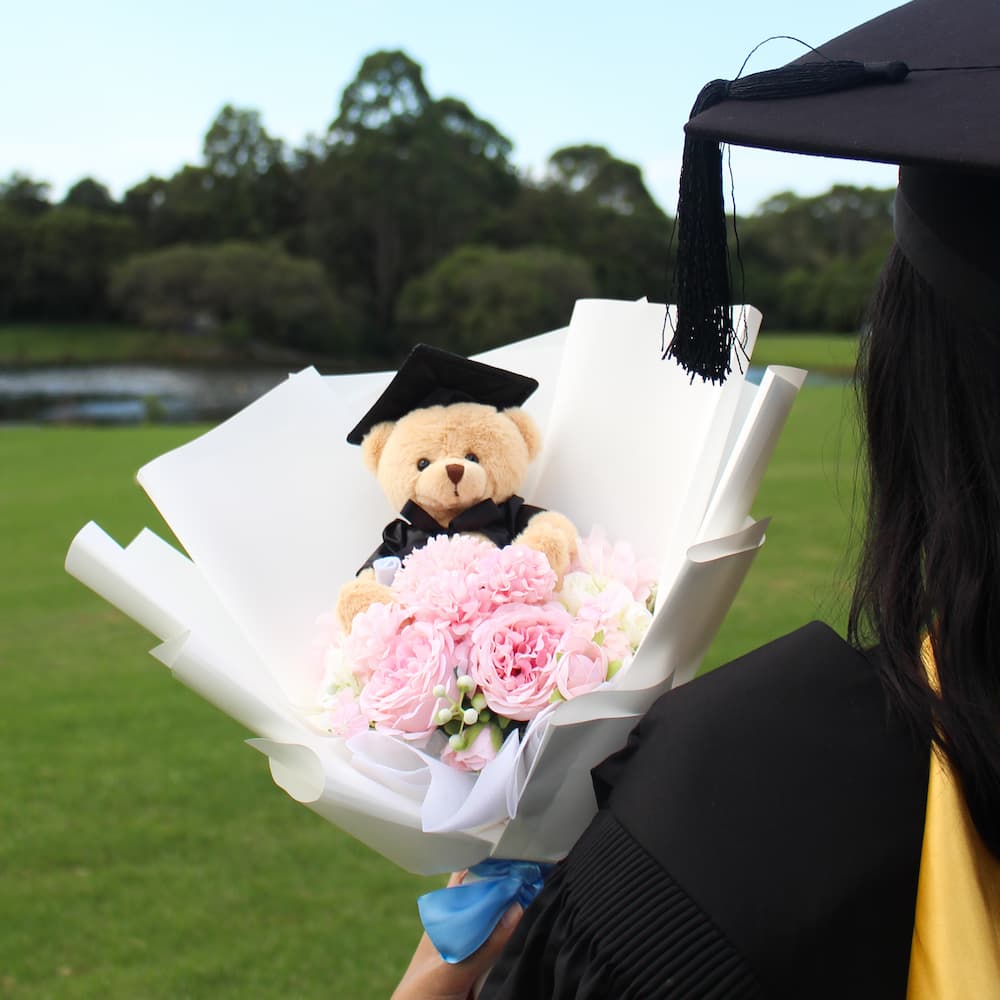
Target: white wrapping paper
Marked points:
275	512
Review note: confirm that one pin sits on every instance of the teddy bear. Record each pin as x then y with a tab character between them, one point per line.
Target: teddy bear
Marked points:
452	466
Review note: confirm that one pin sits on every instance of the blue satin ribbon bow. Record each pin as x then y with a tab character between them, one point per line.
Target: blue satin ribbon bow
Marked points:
459	919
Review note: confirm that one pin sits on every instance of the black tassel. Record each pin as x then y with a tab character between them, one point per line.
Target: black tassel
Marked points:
703	335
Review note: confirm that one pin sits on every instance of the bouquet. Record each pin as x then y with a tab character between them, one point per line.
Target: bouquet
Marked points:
269	506
479	641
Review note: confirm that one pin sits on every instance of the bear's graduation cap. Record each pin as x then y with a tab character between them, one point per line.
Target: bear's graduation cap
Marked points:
432	377
918	86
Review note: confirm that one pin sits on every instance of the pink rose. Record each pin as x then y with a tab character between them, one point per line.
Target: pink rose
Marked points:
512	657
480	751
581	664
372	636
515	574
399	697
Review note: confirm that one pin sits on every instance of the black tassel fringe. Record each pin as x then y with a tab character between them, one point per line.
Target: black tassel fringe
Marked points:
703	334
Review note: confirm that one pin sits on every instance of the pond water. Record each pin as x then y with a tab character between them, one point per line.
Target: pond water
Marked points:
127	394
131	394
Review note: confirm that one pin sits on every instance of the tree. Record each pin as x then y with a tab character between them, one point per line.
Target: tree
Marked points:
14	229
596	206
91	195
591	171
405	180
242	290
467	176
21	194
180	209
245	190
143	202
68	254
238	146
388	90
367	180
792	231
480	297
256	194
811	263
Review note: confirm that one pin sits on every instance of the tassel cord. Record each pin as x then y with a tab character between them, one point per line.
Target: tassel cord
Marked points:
703	333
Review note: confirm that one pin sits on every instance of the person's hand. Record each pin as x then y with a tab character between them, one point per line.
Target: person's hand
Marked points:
430	977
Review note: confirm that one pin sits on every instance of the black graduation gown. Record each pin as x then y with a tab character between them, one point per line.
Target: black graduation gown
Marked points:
759	836
500	522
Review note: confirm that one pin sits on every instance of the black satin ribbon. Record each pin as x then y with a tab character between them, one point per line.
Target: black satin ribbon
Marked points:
500	523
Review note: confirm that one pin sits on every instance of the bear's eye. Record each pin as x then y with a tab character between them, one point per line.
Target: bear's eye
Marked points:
472	457
422	463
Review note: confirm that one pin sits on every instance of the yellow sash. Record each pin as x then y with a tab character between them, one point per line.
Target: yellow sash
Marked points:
955	953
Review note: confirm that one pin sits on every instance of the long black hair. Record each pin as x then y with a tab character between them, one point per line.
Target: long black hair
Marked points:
929	386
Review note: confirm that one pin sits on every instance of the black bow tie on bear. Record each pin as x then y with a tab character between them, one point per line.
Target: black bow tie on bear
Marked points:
500	523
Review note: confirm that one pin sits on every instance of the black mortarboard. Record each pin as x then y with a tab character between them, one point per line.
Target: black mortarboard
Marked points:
432	377
918	86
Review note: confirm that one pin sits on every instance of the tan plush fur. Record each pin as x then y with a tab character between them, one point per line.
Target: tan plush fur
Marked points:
447	459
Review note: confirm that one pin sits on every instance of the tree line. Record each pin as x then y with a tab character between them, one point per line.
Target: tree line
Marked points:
405	221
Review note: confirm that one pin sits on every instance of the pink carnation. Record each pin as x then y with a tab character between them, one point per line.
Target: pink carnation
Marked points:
512	657
399	697
475	756
515	574
371	638
581	664
437	583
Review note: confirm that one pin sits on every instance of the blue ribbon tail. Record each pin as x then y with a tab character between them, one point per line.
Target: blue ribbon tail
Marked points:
459	919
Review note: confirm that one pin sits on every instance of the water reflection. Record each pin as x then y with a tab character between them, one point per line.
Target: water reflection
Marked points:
126	394
131	394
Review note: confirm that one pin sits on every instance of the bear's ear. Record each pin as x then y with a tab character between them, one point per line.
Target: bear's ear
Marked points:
373	443
525	423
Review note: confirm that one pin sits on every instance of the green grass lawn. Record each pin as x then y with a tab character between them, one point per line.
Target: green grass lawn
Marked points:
87	343
804	569
144	851
827	352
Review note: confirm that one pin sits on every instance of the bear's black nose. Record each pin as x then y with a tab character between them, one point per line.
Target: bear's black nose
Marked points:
455	472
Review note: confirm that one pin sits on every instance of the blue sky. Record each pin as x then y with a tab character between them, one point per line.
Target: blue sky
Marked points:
121	90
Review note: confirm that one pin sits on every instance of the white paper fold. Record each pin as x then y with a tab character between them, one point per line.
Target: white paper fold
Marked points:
164	591
276	511
746	462
449	808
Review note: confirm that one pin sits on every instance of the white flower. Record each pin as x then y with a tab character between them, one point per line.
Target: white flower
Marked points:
338	673
578	589
635	621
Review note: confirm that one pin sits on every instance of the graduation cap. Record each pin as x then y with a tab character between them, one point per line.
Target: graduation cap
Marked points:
918	86
432	377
